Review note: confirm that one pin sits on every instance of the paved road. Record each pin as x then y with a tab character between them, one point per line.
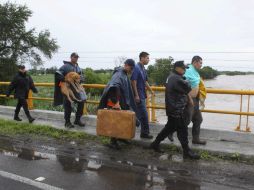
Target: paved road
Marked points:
90	165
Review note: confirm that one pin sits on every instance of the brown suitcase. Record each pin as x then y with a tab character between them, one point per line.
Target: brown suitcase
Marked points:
116	123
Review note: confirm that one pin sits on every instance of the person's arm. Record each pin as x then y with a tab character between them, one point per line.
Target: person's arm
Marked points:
182	86
114	96
32	86
12	86
149	88
134	78
135	90
60	73
190	100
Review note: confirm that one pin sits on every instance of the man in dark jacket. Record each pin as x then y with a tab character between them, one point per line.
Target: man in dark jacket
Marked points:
177	99
59	99
21	84
118	93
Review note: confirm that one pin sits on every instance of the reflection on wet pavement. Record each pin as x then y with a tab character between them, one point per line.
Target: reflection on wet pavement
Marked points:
110	170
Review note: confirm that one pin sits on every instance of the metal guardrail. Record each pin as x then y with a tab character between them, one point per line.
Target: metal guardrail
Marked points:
152	106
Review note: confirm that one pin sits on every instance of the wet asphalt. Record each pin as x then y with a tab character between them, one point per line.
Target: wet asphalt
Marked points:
91	165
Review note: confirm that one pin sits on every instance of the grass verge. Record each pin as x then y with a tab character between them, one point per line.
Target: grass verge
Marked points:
12	128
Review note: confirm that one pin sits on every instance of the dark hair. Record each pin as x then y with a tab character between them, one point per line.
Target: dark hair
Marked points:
74	54
130	62
196	58
143	54
21	67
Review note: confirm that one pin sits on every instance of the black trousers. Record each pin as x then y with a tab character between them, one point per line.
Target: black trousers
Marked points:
196	118
194	115
178	125
22	103
68	109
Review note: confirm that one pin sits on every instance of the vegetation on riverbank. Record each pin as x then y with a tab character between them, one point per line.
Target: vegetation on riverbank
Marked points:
233	73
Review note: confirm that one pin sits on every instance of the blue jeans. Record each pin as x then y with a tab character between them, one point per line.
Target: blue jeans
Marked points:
142	115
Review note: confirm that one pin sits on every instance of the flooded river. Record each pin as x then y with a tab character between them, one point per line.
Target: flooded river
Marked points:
222	102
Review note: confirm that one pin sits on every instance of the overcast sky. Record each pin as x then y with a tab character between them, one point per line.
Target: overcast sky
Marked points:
102	30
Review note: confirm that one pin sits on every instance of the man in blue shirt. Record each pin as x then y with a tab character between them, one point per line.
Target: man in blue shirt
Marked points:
139	83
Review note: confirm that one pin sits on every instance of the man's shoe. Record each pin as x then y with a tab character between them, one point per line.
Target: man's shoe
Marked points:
31	120
190	155
79	123
156	147
69	125
170	137
114	145
198	141
17	118
124	141
146	136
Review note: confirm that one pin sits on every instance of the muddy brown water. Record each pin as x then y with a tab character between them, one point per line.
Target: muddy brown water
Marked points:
221	102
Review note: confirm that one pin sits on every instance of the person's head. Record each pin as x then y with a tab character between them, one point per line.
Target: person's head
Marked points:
129	65
74	58
180	67
197	62
144	58
22	68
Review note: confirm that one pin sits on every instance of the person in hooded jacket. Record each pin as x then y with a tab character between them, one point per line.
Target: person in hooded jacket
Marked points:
59	99
118	94
21	84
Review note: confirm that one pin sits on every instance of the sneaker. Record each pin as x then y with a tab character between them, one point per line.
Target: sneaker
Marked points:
156	147
146	136
191	155
31	120
69	125
17	118
114	145
198	141
79	123
124	141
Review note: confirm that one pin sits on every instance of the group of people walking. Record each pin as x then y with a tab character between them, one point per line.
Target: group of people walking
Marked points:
127	91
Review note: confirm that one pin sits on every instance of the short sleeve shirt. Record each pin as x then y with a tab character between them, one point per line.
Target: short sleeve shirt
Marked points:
139	74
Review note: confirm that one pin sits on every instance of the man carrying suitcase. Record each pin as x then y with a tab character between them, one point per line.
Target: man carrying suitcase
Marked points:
118	93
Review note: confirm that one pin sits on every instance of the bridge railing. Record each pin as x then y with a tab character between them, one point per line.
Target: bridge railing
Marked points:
152	106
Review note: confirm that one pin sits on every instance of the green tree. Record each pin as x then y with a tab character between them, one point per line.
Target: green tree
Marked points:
208	73
19	43
91	77
159	72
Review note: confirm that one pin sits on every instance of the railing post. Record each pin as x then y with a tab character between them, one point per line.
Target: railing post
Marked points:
85	112
30	100
148	103
153	109
247	129
238	128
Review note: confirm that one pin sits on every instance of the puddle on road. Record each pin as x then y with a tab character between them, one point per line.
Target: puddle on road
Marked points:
15	149
110	173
